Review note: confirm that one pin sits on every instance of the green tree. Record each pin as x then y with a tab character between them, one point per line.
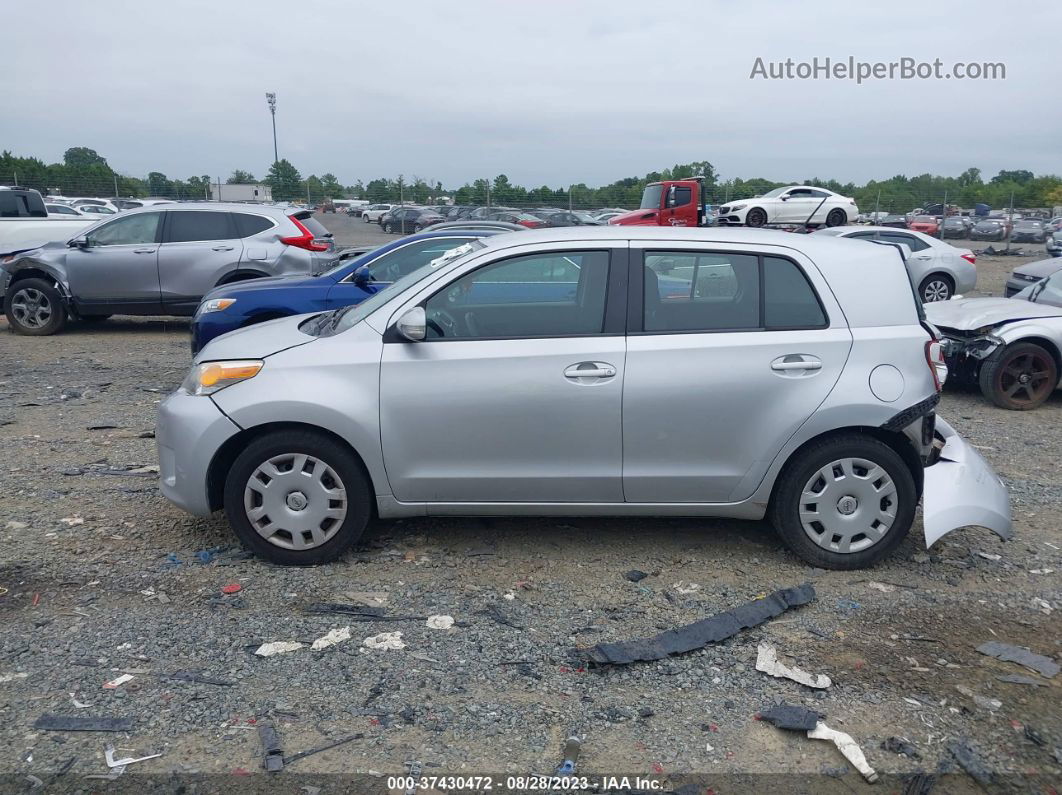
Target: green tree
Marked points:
83	157
159	185
1021	176
330	186
240	177
285	181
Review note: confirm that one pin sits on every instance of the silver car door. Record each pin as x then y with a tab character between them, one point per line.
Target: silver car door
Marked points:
199	248
515	394
718	376
117	268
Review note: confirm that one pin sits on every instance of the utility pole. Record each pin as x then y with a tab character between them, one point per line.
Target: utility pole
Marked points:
1010	220
219	188
271	98
487	181
569	198
116	186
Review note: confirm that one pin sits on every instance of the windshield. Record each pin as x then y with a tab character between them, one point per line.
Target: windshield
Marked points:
774	194
349	316
1046	291
651	197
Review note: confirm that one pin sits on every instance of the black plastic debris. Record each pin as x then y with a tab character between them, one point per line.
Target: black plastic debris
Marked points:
966	756
701	633
898	745
1044	666
788	716
918	784
635	575
272	754
311	751
358	612
502	617
77	723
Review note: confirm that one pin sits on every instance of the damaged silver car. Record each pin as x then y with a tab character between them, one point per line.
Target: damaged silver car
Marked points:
609	371
1010	347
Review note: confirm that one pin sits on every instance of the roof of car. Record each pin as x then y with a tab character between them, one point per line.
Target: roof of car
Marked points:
219	206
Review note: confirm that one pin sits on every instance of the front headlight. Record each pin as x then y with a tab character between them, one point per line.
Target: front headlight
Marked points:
215	305
208	377
734	208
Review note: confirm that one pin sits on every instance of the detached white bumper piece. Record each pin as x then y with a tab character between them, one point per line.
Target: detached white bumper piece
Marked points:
962	490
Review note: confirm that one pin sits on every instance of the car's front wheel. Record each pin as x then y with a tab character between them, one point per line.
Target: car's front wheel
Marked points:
297	498
755	217
34	308
1019	377
935	287
844	502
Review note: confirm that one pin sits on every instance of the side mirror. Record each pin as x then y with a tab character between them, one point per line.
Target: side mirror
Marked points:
413	325
362	276
784	198
79	242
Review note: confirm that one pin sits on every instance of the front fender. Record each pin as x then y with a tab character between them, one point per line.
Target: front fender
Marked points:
1023	329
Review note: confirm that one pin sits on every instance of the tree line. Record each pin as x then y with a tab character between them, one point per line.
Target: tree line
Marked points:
85	172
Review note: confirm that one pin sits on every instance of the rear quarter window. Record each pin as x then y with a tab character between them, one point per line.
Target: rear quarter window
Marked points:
247	225
789	301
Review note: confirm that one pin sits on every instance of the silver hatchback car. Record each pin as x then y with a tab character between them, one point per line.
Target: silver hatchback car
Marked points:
612	371
158	260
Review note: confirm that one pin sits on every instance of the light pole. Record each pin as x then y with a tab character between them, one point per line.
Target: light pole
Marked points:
271	98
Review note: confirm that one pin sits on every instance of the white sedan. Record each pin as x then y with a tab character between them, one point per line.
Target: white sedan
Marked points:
938	270
797	204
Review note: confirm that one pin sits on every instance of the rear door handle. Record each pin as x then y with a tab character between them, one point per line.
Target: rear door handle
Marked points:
796	361
590	370
222	248
143	251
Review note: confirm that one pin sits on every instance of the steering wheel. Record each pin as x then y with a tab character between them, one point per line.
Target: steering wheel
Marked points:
442	322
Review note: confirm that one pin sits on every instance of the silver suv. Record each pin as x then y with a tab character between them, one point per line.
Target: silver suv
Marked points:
158	261
612	371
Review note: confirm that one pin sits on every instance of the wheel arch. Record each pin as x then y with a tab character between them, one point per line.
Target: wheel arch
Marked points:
227	453
39	272
240	275
1036	338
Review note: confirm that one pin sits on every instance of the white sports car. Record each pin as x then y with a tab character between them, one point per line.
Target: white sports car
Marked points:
797	204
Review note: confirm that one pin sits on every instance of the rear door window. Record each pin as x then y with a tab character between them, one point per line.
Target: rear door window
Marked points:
689	291
198	225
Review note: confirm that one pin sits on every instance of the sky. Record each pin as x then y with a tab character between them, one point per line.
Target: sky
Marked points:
551	92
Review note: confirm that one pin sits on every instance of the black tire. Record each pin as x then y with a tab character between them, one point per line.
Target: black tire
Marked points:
366	218
94	318
34	308
1019	377
756	217
837	217
936	287
417	228
787	501
389	228
329	452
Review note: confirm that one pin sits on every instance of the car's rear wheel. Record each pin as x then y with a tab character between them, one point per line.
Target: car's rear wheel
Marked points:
936	287
297	498
389	228
837	217
1019	377
755	217
845	502
34	308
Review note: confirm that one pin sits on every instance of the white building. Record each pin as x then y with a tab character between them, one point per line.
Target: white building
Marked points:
240	193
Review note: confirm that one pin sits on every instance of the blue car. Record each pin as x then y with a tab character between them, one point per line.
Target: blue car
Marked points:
245	303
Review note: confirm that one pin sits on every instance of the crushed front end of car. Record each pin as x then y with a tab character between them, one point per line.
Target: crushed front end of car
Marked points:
965	350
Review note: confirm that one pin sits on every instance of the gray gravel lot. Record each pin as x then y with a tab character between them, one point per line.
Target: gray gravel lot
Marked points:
100	575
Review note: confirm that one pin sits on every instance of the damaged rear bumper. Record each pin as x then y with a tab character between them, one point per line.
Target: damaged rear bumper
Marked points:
962	490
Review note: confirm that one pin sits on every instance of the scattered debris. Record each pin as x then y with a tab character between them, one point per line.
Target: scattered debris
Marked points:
966	756
273	754
278	647
33	781
990	556
701	633
77	723
358	612
571	756
495	611
311	751
848	748
108	753
72	521
4	678
78	704
198	678
1034	736
440	622
687	588
767	661
634	575
1019	679
333	637
788	716
899	745
918	784
884	587
368	598
385	641
117	682
991	704
1044	666
234	588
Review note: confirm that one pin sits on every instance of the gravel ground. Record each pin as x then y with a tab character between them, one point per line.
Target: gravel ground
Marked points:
99	575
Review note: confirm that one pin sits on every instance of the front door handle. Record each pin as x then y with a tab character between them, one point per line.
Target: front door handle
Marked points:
222	248
590	370
796	361
143	251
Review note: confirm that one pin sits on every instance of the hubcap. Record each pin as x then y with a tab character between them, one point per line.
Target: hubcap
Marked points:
31	308
848	505
1026	378
295	501
936	291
